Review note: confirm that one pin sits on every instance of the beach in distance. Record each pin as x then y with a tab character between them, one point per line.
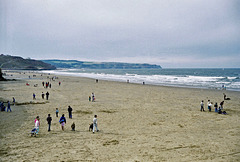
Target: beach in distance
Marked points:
136	122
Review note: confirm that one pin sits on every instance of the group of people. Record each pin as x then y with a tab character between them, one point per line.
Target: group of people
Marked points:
62	122
93	98
210	104
46	85
3	107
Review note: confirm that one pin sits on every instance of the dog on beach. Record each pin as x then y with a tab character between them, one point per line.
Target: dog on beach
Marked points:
91	127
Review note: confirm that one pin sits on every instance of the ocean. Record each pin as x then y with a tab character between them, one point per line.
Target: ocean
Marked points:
190	78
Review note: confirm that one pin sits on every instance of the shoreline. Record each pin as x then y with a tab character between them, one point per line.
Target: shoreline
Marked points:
137	122
119	81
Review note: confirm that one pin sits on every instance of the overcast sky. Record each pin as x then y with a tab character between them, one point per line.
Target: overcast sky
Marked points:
170	33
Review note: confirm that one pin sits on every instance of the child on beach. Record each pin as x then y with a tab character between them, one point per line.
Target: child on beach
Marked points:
62	121
202	106
43	95
93	97
36	128
95	123
57	111
34	96
73	126
210	106
216	106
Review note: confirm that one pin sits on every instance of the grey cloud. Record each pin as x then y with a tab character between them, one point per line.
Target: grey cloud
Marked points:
114	30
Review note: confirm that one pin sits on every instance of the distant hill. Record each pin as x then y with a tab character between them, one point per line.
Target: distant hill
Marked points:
74	64
18	63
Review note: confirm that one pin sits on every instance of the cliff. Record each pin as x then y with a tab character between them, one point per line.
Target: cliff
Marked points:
18	63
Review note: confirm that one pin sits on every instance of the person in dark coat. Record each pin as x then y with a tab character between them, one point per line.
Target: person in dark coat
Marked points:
70	112
49	120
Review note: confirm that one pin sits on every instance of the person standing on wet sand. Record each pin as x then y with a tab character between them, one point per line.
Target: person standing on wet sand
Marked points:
8	106
49	120
43	95
62	121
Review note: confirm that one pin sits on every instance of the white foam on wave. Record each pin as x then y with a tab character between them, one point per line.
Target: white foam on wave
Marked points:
192	81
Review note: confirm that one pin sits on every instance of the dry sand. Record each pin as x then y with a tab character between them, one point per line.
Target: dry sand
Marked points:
136	122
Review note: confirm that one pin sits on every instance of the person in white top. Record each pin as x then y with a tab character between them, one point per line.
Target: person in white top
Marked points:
37	124
95	123
210	106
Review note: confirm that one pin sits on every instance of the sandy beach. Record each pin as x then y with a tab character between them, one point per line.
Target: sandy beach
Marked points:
136	122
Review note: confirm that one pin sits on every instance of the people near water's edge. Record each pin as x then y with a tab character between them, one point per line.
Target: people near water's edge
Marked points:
47	95
89	98
49	120
70	112
9	106
62	121
202	106
216	107
57	111
2	106
209	106
95	123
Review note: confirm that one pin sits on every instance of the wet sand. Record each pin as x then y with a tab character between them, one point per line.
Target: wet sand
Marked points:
137	122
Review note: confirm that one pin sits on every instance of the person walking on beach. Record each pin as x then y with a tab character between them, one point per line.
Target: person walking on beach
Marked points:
14	101
8	106
95	123
34	96
47	95
49	120
57	111
43	95
202	106
37	125
62	121
70	112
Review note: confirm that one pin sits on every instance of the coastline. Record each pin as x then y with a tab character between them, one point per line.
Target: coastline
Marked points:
187	78
137	122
